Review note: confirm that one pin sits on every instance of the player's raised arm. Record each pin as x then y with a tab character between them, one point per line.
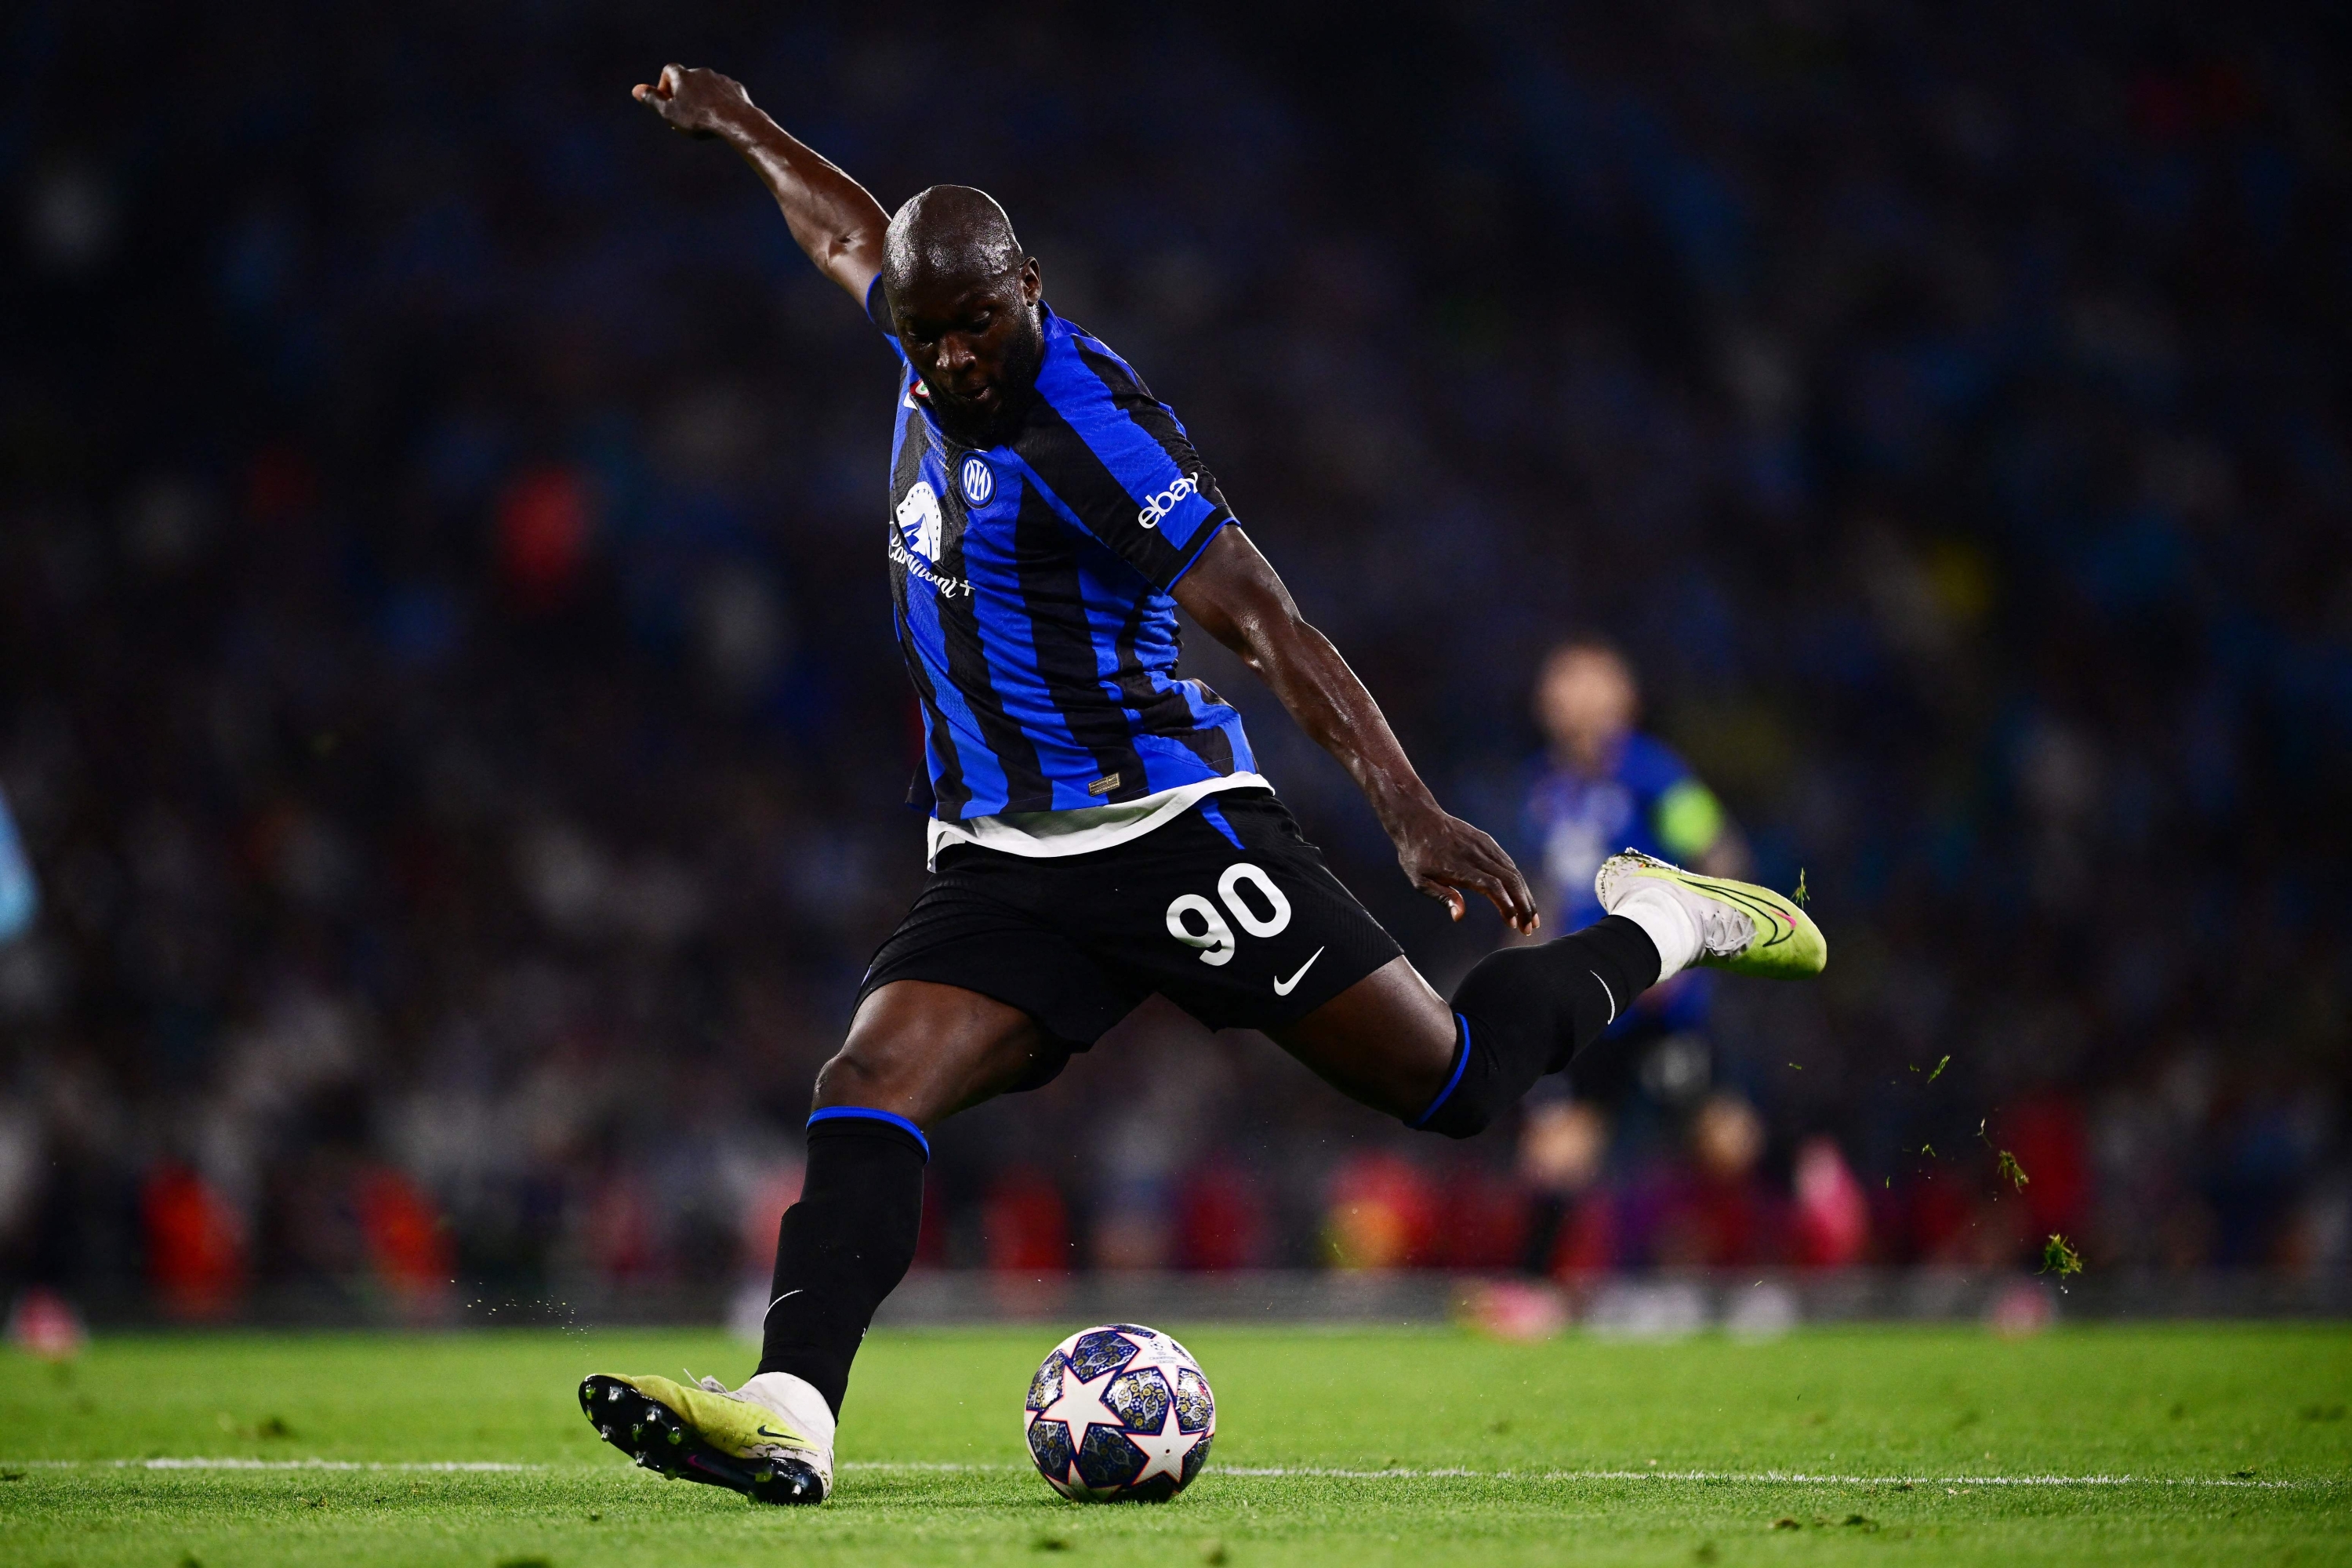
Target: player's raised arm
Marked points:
1236	597
831	214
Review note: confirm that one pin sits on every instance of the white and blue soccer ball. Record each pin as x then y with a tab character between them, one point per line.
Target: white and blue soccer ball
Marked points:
1119	1413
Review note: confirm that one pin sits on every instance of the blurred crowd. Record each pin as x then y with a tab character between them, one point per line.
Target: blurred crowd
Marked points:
447	697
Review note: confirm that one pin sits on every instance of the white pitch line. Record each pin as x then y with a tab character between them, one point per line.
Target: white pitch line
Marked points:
233	1464
1756	1477
1761	1478
923	1465
1274	1472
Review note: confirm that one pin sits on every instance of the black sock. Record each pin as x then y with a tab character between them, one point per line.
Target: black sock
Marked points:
845	1246
1527	1011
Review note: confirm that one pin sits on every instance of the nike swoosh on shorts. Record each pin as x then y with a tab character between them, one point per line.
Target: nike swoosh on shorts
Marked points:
1284	987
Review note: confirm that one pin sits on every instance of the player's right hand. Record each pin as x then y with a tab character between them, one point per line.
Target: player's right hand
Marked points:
696	100
1446	857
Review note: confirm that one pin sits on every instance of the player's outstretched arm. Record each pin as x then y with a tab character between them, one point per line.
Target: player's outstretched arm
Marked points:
1232	592
831	214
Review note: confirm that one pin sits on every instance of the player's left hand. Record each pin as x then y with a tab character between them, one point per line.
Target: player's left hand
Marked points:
1446	857
693	99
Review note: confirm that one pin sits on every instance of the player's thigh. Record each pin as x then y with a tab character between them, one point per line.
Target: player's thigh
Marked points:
1386	1041
924	1051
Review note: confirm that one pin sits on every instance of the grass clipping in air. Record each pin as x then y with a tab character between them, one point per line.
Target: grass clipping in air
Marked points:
2004	1164
2058	1254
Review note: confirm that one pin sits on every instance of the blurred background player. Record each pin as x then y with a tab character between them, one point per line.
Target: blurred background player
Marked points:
1603	785
1607	787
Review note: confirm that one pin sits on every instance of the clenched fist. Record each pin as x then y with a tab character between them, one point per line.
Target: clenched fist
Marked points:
702	103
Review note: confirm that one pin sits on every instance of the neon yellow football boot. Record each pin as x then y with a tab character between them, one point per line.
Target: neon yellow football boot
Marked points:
1743	928
700	1432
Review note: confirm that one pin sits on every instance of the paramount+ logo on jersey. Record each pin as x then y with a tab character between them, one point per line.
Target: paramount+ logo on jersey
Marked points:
1157	507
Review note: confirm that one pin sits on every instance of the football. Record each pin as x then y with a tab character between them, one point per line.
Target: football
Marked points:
1119	1413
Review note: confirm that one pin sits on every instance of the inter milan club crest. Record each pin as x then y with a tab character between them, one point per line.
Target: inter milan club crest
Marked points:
978	481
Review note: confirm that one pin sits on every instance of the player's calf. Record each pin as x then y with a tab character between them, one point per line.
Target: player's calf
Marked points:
1524	1011
845	1246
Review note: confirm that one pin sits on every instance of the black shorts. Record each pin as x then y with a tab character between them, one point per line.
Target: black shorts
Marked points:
1227	911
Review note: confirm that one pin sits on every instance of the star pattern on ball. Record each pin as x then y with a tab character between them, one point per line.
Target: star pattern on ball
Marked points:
1149	1393
1164	1450
1081	1405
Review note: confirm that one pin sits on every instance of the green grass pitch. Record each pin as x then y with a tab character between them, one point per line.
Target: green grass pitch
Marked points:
1878	1444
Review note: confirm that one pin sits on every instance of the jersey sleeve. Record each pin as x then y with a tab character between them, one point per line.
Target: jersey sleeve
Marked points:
1683	813
1688	820
877	310
1119	464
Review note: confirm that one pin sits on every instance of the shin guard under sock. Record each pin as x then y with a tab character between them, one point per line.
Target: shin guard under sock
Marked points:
845	1246
1525	1011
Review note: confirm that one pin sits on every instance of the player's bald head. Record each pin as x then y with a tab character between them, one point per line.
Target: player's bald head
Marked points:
949	233
968	309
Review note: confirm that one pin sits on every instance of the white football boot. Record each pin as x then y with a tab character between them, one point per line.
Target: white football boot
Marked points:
1712	920
772	1439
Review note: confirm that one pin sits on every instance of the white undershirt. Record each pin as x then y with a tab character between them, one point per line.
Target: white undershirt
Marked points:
1048	833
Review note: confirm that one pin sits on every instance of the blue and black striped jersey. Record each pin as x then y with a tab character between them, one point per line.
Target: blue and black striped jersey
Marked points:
1030	580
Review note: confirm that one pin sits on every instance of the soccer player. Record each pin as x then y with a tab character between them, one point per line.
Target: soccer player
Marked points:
1604	785
1098	831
